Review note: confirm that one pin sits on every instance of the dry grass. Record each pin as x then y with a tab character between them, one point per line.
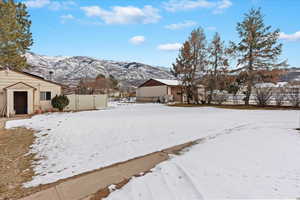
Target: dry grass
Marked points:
15	162
238	107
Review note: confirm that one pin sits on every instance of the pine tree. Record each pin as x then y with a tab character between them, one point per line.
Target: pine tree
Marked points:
217	62
191	59
15	35
257	50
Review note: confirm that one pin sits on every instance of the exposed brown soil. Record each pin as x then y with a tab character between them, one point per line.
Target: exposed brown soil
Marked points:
238	107
103	193
16	165
15	162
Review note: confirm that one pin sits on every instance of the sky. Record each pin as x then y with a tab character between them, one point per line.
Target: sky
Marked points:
150	31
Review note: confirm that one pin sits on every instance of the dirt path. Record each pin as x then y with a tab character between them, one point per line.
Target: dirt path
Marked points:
15	165
94	185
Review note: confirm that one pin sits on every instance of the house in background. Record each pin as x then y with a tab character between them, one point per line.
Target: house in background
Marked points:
159	90
24	93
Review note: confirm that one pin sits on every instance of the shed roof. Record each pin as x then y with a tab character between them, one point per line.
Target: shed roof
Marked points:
157	82
169	82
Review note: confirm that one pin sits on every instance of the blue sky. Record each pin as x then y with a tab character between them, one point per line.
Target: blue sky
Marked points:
149	31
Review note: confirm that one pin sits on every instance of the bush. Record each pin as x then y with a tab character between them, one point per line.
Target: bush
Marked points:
294	97
60	102
263	95
280	96
220	97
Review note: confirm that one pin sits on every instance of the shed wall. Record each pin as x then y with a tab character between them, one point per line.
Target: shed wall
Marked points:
154	91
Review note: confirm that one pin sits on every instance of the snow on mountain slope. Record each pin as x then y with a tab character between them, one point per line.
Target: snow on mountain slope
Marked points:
69	70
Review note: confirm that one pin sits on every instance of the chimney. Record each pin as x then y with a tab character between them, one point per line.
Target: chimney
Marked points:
50	73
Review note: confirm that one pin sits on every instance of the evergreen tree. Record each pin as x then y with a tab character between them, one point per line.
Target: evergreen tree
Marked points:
15	35
257	50
217	62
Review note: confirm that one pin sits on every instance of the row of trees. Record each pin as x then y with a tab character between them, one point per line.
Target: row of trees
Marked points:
256	56
98	85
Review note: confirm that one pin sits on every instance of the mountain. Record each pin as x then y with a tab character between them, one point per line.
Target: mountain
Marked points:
69	70
292	74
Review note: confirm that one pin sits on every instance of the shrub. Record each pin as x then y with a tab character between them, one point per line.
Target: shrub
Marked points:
294	97
263	95
280	96
220	97
60	102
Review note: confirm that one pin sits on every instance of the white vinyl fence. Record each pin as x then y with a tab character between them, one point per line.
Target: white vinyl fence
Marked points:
86	102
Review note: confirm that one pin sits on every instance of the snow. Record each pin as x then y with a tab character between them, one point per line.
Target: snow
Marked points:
271	85
258	160
169	82
68	144
69	70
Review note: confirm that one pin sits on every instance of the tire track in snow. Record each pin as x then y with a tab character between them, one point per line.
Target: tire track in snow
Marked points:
226	131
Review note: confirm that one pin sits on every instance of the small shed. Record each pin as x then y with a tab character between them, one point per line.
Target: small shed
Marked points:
159	90
24	93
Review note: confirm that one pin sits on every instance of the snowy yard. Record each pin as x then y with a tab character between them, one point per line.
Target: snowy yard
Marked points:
246	153
249	162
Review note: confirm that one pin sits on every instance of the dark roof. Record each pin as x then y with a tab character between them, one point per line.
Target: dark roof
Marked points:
34	76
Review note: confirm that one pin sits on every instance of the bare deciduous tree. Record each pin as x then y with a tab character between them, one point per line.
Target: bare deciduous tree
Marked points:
216	58
192	59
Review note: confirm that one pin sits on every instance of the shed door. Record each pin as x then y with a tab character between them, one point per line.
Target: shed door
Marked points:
20	102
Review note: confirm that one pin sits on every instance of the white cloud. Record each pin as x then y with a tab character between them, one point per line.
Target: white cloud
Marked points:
137	40
65	18
181	25
124	15
170	47
59	5
221	6
290	37
37	3
179	5
53	5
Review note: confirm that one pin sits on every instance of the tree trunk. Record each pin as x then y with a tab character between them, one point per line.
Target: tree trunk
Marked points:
248	94
213	80
250	77
209	100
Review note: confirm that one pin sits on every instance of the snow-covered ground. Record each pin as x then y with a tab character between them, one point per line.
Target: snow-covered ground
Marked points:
256	161
247	142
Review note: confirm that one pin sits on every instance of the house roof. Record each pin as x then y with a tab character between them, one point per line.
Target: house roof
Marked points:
19	83
34	76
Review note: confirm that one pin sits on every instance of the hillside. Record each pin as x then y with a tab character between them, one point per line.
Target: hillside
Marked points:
69	70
